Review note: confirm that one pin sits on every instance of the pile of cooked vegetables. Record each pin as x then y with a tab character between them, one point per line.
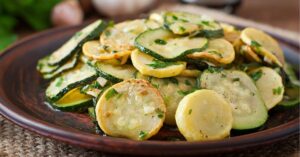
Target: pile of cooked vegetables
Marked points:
174	68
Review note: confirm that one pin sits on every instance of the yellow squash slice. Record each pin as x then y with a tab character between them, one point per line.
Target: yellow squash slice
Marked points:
147	65
231	33
121	37
264	45
250	54
133	109
270	86
204	115
219	50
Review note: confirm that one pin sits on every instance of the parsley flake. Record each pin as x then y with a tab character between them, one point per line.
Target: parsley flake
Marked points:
157	64
142	134
160	42
111	93
277	91
256	75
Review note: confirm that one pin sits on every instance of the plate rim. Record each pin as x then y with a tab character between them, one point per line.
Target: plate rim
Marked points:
119	145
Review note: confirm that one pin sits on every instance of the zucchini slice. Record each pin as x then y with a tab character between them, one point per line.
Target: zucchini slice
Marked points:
270	86
147	65
115	73
231	33
264	45
93	49
44	68
67	66
219	50
74	100
132	109
121	36
249	110
173	90
204	115
186	23
81	75
73	45
249	53
164	45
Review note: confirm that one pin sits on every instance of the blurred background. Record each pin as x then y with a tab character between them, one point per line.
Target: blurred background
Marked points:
21	18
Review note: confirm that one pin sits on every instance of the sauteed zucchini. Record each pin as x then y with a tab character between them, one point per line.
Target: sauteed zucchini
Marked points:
179	69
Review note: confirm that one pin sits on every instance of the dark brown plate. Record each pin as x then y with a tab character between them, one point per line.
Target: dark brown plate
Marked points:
22	101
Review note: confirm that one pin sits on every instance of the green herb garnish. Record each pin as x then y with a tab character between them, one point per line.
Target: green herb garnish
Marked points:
142	134
256	75
277	91
157	64
107	33
160	113
59	82
184	93
160	42
111	93
214	69
187	82
182	29
255	44
173	80
235	79
174	17
190	111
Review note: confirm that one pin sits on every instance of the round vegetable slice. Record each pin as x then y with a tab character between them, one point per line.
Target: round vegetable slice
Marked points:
190	73
219	50
147	65
204	115
249	53
164	45
264	45
121	37
231	33
269	85
132	109
249	110
93	49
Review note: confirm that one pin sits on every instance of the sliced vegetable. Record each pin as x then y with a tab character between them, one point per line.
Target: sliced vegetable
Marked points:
186	23
291	75
73	100
93	49
270	86
115	73
219	50
164	45
204	115
231	33
250	54
291	97
264	45
66	66
132	109
249	110
73	45
120	37
80	75
147	65
44	68
172	90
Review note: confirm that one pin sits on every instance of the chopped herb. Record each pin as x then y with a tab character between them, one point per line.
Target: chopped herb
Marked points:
111	23
190	111
216	53
111	93
142	135
157	64
182	29
187	82
77	35
214	69
255	44
106	48
206	23
174	17
114	51
184	93
107	33
235	79
96	85
277	91
59	82
155	85
160	113
223	75
256	75
160	42
173	80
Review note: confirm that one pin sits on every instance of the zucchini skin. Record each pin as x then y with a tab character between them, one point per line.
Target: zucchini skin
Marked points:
81	107
211	33
104	74
157	56
70	87
94	34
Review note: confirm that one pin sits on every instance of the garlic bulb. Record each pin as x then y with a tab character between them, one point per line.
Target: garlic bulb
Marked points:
113	8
